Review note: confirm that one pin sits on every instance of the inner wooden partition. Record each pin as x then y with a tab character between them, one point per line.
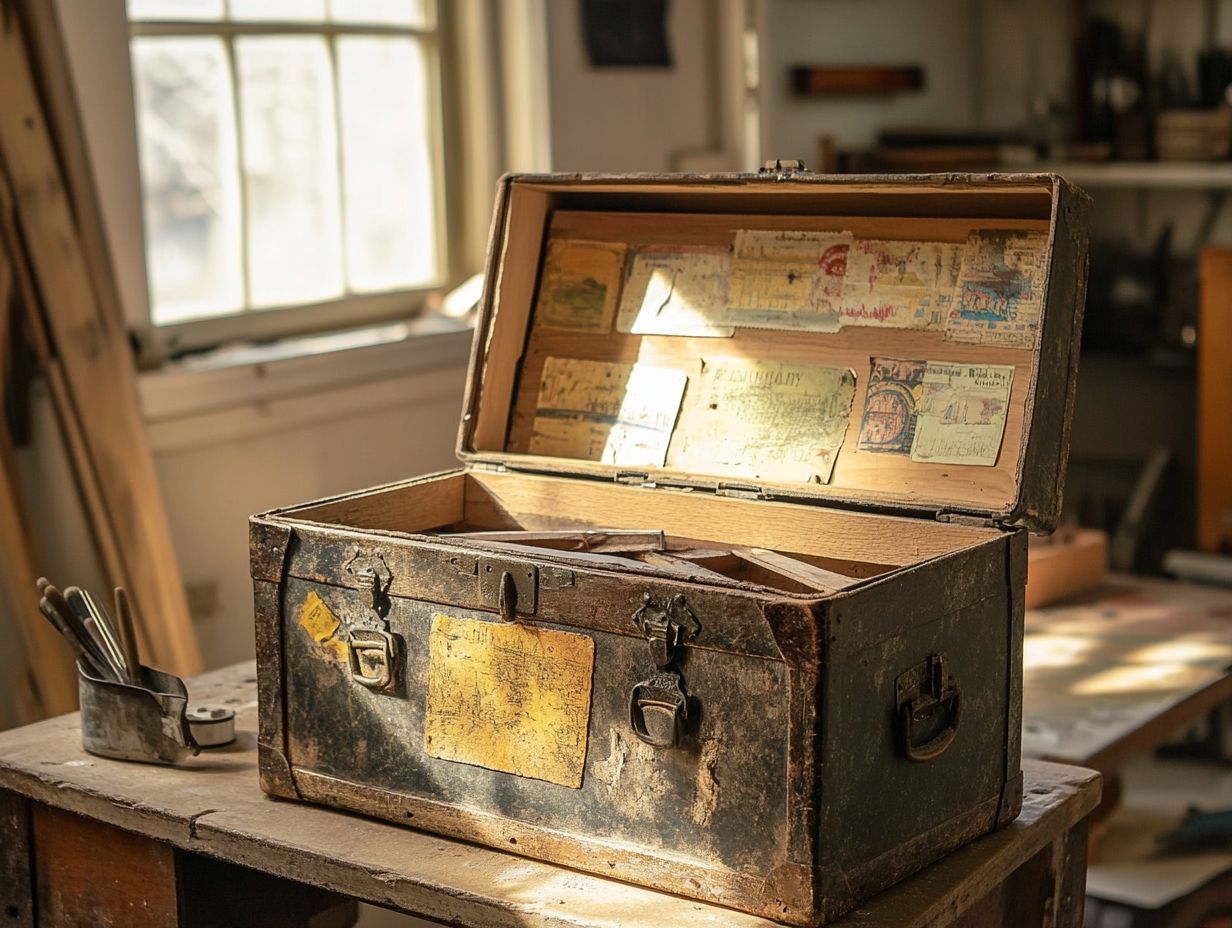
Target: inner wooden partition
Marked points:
477	500
512	350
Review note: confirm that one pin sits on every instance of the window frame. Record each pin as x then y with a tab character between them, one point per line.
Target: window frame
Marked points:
160	342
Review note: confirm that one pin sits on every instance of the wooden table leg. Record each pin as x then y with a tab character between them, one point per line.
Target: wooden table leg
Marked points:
16	873
87	873
216	894
1048	890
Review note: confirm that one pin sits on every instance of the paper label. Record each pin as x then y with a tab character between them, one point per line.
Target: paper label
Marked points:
1000	291
676	291
581	285
901	285
960	418
509	697
612	413
319	621
767	420
787	280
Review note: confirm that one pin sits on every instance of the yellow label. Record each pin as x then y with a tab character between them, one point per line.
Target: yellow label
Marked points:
319	621
509	697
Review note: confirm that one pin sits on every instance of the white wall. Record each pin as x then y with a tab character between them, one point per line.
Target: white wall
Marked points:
980	59
218	467
638	119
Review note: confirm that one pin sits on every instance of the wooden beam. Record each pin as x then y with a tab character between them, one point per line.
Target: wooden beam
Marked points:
97	366
1214	388
49	687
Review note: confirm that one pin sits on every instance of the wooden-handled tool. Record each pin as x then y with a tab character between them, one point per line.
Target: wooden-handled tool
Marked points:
108	648
56	609
99	625
127	628
102	669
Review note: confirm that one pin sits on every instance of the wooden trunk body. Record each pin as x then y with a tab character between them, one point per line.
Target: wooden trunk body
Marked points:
801	782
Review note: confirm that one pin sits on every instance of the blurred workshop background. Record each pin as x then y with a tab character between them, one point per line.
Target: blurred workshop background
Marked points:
282	208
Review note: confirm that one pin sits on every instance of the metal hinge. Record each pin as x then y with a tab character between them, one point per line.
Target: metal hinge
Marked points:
495	467
783	167
634	478
739	491
958	518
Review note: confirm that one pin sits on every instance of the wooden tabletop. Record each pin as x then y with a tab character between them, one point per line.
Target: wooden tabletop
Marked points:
1110	674
213	806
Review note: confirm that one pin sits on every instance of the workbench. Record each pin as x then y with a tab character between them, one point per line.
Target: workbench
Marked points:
87	841
1111	674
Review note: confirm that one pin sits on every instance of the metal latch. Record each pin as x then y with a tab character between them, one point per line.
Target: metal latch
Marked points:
508	587
659	705
928	701
372	650
372	580
665	628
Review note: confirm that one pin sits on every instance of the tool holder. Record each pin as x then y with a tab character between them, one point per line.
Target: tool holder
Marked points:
143	723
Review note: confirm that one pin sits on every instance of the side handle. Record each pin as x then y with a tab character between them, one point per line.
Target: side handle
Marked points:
928	700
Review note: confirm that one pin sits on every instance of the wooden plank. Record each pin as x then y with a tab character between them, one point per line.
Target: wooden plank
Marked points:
47	655
50	687
219	811
49	57
88	874
1214	513
84	476
23	696
16	863
96	362
807	575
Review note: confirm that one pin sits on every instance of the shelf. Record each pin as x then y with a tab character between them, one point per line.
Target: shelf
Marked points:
1160	175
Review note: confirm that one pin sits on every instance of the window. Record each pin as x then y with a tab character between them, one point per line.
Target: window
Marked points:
289	156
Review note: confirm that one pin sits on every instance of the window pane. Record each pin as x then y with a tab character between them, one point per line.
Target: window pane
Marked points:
290	169
299	10
175	9
189	177
387	12
387	166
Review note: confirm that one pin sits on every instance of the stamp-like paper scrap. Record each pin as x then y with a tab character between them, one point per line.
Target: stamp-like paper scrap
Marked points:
580	289
890	404
1000	293
960	418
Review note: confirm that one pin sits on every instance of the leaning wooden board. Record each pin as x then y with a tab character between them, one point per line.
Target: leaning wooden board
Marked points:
872	377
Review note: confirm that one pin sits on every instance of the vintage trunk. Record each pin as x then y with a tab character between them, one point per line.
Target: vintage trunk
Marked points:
782	740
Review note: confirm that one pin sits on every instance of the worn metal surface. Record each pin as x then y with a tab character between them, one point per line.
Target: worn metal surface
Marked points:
142	723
